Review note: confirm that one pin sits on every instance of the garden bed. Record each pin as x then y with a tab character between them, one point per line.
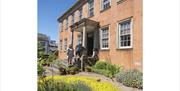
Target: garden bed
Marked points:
106	79
88	83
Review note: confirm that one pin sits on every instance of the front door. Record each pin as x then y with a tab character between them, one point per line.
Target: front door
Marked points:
90	43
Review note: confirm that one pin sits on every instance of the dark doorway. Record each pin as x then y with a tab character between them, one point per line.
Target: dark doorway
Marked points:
90	43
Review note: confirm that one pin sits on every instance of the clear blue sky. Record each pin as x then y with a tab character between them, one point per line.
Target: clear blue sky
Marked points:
48	12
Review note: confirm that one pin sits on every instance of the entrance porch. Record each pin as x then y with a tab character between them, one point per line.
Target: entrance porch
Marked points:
89	31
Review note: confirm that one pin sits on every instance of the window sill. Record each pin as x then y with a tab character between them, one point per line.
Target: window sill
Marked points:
124	48
120	1
104	49
105	9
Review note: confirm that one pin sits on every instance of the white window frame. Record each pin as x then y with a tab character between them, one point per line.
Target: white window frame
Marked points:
67	23
60	26
108	37
60	44
65	44
79	42
119	33
119	0
80	13
90	8
102	5
72	19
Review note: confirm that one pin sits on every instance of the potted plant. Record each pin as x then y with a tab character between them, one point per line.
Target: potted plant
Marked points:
73	70
62	71
88	69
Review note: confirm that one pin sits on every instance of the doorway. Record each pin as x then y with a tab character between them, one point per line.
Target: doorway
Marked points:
90	43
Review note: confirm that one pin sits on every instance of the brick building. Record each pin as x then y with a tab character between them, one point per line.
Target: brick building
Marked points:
112	26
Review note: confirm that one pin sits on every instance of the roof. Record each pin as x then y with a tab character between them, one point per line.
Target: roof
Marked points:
75	5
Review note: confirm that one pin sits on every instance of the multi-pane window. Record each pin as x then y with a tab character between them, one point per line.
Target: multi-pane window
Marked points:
125	34
91	7
60	44
61	27
105	4
72	22
79	39
105	38
67	23
80	14
65	44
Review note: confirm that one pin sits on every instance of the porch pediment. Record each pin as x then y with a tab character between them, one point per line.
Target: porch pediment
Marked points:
89	24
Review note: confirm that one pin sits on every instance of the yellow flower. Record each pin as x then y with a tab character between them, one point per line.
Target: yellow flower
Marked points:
91	82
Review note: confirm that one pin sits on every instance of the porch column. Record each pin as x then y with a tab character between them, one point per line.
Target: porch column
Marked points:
84	37
84	45
72	37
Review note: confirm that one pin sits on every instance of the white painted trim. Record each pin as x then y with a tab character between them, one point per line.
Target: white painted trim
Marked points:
117	35
108	37
66	44
119	0
101	4
89	8
131	32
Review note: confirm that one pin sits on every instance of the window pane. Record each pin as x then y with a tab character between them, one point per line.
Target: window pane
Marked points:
106	4
91	7
104	35
129	43
125	36
122	43
80	14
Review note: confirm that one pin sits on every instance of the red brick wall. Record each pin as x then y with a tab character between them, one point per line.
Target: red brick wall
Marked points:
129	58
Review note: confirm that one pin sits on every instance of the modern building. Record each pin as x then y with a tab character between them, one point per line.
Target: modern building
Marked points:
49	45
112	26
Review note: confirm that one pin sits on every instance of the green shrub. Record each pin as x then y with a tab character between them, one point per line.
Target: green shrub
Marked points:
40	67
104	72
113	68
72	70
60	85
88	68
106	69
62	71
100	65
131	78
